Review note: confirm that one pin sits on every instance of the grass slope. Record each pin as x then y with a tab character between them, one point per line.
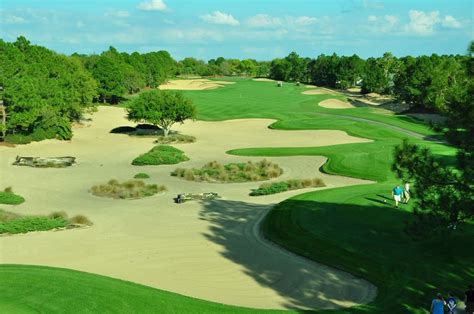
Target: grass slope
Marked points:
37	289
10	198
160	155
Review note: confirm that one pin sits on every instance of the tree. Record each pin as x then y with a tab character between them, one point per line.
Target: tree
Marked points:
374	79
161	108
445	193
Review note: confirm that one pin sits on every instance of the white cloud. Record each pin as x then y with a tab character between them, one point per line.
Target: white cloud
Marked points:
391	20
450	22
152	5
371	18
119	13
304	20
263	20
12	19
422	23
218	17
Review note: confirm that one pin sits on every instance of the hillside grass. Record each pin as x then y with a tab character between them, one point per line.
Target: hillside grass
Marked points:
160	155
38	289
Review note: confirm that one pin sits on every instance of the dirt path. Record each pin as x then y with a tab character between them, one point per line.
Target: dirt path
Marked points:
208	250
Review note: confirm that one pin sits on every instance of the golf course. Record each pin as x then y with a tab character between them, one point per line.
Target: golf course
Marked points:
337	248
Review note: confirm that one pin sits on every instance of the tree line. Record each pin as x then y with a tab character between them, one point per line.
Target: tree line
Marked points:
44	91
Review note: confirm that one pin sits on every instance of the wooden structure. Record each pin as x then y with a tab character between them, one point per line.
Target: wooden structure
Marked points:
181	198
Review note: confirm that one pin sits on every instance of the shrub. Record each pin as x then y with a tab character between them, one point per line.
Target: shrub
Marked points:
175	139
31	223
278	187
80	220
18	139
58	215
141	175
131	189
232	172
8	197
160	155
8	190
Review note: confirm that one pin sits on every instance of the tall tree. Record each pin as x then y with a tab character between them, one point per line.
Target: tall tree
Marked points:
162	108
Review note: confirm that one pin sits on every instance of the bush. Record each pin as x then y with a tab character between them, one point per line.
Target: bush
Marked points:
31	223
141	175
18	139
175	139
160	155
58	215
80	220
131	189
278	187
233	172
8	197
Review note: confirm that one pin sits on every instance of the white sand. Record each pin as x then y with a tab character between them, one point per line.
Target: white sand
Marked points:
335	104
316	92
194	84
262	79
210	251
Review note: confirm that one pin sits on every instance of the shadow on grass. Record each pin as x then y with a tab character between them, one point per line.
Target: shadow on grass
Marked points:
365	240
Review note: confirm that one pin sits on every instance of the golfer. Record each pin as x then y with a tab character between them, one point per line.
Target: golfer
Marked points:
406	193
397	193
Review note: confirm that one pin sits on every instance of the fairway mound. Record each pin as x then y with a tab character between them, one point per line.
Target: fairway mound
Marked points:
335	104
196	84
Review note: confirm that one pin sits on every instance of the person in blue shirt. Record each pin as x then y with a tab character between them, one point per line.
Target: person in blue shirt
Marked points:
437	305
451	304
397	193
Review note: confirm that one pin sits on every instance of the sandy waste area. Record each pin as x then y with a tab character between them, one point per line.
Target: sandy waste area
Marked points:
335	104
194	84
209	250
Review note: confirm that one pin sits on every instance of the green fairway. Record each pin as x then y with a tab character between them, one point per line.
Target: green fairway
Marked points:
349	228
352	228
36	289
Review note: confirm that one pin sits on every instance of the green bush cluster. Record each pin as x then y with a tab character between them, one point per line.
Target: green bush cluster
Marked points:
160	155
13	223
278	187
131	189
233	172
141	175
175	139
8	197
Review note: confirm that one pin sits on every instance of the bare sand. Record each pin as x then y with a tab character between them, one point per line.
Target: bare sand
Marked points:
335	104
316	92
262	79
208	250
193	84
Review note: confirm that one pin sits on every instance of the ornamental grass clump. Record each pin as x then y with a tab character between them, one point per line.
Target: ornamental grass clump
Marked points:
131	189
288	185
175	139
141	175
230	173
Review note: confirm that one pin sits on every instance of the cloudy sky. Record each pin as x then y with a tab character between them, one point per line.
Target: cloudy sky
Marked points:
260	29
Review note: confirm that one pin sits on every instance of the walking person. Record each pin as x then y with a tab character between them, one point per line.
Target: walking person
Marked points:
437	305
451	304
469	300
397	194
406	192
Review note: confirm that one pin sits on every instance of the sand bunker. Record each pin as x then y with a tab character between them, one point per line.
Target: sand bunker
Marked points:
211	251
194	84
316	92
335	104
262	79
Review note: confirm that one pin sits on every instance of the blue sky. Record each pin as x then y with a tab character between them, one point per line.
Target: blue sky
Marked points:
259	29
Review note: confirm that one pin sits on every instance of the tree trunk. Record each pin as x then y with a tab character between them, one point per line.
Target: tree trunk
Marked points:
166	132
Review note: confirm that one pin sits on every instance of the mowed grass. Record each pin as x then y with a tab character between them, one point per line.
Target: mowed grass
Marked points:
37	289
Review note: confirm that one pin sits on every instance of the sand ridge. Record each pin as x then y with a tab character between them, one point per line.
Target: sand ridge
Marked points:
193	84
211	250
